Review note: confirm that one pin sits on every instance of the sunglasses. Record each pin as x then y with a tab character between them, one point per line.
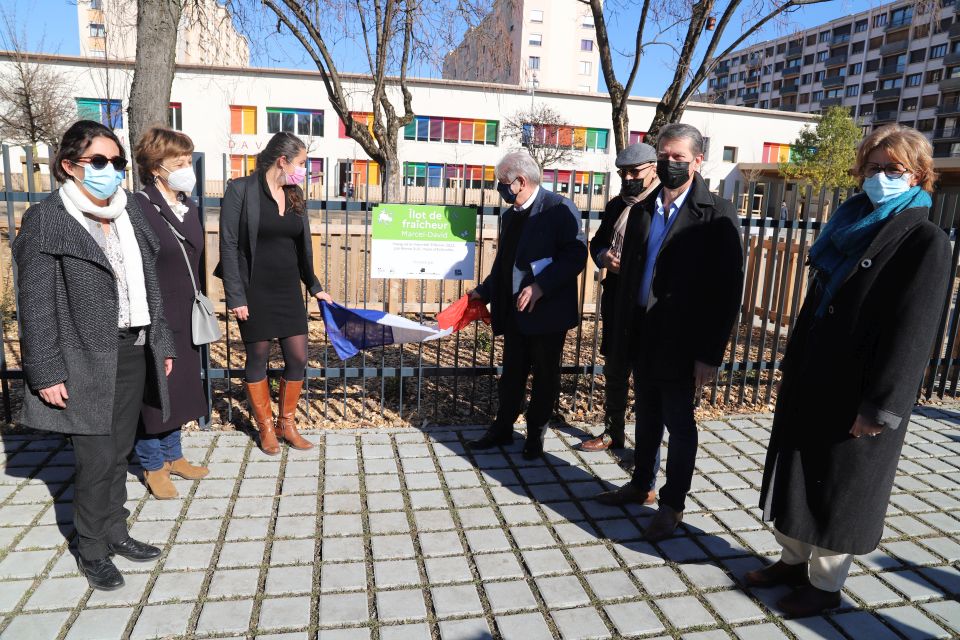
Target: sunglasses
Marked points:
99	161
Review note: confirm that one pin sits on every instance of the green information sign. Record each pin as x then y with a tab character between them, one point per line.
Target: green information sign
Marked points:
434	242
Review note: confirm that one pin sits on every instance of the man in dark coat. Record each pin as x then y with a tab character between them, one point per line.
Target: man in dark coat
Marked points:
681	279
532	291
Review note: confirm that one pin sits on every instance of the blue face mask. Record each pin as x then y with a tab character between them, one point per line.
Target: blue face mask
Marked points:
879	188
504	190
102	183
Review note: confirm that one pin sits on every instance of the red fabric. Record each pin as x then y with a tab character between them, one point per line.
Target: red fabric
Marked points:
462	312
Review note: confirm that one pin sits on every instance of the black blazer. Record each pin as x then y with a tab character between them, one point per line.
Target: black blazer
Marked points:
239	228
696	289
599	243
552	231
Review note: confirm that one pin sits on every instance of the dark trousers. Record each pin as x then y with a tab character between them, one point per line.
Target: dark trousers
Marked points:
616	387
100	489
522	354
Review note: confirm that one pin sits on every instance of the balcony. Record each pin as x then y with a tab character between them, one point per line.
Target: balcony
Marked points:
836	61
899	23
833	81
949	108
948	133
791	71
751	96
789	88
753	78
721	70
826	103
954	32
886	94
795	51
950	84
890	70
885	116
840	38
754	63
951	59
788	107
894	48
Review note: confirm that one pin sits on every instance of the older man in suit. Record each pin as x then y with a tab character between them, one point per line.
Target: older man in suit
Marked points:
532	291
681	278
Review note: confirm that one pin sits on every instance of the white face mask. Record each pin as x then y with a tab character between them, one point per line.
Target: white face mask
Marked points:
182	179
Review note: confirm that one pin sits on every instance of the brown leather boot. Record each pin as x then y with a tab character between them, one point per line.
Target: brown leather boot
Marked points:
289	397
159	484
186	470
794	575
258	393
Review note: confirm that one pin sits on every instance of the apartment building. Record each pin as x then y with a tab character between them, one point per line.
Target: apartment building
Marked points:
548	44
898	62
207	36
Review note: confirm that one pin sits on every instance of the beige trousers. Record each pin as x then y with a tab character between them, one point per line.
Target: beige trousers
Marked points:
828	569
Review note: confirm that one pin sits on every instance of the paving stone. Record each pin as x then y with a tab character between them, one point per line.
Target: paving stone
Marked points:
523	626
389	522
911	584
12	591
912	623
281	613
509	596
658	581
198	531
130	593
341	609
340	525
871	590
230	616
446	570
542	562
910	553
54	593
347	576
477	517
416	631
248	528
946	577
25	564
456	600
734	606
402	605
283	580
162	621
593	557
242	554
494	566
946	613
470	629
863	624
814	628
392	547
180	586
341	549
685	612
37	625
766	631
707	576
633	618
442	543
562	591
396	573
231	583
487	541
433	521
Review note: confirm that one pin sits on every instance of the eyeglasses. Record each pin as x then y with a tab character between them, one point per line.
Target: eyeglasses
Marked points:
892	170
99	161
632	172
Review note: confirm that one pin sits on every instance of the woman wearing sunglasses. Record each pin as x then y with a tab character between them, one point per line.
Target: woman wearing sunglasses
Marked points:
94	339
164	161
265	254
880	276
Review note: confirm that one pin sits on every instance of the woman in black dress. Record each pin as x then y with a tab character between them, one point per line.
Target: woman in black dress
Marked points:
164	163
265	254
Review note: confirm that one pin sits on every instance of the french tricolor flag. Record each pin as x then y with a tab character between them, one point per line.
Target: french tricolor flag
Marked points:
351	330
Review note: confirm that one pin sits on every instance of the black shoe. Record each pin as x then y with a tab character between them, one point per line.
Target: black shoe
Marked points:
615	426
491	439
533	446
102	574
134	550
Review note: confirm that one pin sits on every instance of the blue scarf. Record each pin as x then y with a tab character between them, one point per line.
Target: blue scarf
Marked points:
847	235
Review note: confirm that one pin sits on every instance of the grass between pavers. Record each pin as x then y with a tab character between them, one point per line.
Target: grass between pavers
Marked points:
502	525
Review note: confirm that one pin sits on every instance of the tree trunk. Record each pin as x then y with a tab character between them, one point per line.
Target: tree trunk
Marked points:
621	122
157	22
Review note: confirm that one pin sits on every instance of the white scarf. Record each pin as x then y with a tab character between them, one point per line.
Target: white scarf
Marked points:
78	204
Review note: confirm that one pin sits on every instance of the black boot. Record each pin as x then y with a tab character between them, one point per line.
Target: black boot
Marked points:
101	574
494	437
533	445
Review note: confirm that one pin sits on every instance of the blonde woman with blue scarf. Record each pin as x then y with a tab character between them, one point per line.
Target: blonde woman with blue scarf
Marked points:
880	276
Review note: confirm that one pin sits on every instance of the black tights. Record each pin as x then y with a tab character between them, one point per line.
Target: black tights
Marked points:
294	350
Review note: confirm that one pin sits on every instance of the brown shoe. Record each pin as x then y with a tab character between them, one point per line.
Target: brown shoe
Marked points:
186	470
601	443
808	601
289	398
663	524
627	494
794	575
159	484
258	393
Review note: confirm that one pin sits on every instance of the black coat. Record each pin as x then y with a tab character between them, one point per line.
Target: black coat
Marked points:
696	290
551	231
188	401
866	355
599	243
68	317
239	229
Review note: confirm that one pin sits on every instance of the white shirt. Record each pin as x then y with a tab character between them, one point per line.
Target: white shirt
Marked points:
529	202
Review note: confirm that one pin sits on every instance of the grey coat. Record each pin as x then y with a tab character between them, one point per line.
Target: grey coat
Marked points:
68	316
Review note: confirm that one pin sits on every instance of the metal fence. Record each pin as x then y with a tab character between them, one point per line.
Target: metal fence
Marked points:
453	380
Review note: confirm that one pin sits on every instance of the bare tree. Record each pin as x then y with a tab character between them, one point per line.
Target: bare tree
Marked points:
35	107
665	17
544	133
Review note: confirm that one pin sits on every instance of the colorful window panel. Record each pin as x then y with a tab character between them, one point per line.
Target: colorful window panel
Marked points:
435	129
419	174
637	136
303	122
776	152
576	182
107	112
241	165
176	116
243	120
581	138
361	117
315	170
365	172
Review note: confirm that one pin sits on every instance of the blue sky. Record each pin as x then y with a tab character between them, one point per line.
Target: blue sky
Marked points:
54	24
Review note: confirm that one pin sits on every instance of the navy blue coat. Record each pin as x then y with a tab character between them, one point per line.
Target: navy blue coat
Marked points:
552	231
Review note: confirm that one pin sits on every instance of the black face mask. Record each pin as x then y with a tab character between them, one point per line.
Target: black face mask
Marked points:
631	188
673	174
